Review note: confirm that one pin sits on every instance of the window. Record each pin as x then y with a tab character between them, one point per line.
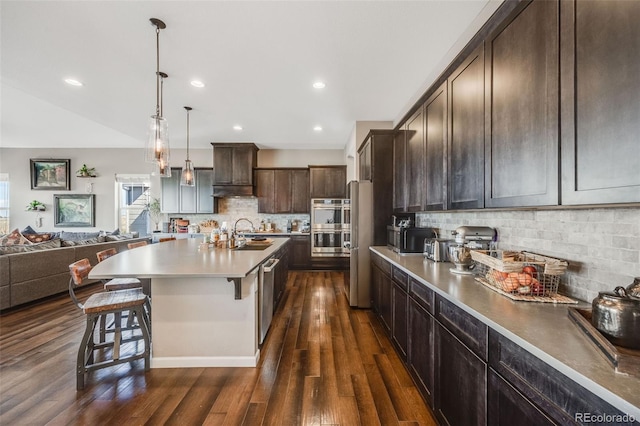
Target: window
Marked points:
4	203
132	193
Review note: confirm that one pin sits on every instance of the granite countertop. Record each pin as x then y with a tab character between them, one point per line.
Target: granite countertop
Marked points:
543	329
183	258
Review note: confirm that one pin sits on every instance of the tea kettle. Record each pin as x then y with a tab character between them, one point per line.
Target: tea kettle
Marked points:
617	316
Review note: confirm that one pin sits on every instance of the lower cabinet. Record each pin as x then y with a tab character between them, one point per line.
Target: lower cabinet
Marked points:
460	381
300	255
400	319
281	275
385	309
420	355
506	406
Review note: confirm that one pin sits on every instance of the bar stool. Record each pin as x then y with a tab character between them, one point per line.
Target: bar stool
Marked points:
99	305
136	244
162	240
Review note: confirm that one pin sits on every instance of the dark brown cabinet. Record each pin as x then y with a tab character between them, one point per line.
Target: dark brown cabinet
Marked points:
282	190
460	381
399	311
521	128
233	165
382	302
420	352
300	254
415	156
600	60
328	181
281	274
399	165
364	160
379	147
466	133
435	187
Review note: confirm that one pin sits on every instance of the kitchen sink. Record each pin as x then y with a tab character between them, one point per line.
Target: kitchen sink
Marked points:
253	247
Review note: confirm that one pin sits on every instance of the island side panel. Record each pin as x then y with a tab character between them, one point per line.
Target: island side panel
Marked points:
196	322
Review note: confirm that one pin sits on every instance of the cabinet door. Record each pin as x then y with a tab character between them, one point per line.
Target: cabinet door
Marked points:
460	382
399	166
506	406
222	165
466	133
521	128
600	60
188	198
400	317
300	200
385	299
328	182
242	165
265	187
420	355
365	162
282	193
375	289
300	256
204	189
415	162
435	149
170	192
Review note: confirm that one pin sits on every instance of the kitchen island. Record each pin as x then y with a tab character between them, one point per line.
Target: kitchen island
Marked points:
204	301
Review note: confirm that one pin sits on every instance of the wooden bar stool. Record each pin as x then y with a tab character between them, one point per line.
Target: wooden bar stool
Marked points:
117	283
99	305
136	244
162	240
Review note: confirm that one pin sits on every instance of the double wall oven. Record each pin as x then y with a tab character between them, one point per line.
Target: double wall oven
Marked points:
330	227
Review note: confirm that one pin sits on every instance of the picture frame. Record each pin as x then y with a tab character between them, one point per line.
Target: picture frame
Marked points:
50	174
74	210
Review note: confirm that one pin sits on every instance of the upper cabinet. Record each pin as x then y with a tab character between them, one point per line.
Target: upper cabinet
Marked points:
435	111
399	165
466	133
415	152
176	198
328	181
233	165
283	190
600	57
364	160
521	104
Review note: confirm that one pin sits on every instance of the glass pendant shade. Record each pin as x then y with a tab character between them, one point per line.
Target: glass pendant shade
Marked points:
187	178
157	139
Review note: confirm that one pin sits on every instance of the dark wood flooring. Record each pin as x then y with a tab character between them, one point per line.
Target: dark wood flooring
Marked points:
322	364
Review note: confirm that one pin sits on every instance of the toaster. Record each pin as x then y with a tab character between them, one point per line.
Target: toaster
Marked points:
437	249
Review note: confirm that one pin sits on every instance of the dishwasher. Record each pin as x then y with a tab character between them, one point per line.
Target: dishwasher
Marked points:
265	295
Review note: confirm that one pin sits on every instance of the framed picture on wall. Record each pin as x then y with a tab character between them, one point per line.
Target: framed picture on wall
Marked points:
74	210
50	174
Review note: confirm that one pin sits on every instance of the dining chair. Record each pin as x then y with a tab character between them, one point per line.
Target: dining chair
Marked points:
94	355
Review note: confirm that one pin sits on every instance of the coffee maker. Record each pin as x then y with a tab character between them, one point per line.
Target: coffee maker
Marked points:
469	238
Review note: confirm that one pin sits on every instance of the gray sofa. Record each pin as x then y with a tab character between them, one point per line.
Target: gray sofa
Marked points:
27	277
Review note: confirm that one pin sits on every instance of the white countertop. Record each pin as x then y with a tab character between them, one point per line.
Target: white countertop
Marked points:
543	329
183	258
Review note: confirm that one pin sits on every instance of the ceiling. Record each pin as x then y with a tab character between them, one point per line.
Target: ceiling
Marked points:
258	60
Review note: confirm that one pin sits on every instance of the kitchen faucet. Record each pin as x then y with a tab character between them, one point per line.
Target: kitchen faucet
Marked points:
235	225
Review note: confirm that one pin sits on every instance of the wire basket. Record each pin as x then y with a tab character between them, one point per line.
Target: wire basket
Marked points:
519	273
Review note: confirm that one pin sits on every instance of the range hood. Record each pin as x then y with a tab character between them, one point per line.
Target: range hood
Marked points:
233	165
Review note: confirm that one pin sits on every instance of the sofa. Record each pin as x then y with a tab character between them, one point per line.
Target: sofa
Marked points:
30	276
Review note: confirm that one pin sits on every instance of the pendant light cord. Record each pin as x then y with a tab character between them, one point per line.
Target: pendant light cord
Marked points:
158	111
188	135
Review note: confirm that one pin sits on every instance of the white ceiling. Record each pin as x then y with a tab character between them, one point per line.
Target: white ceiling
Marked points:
258	60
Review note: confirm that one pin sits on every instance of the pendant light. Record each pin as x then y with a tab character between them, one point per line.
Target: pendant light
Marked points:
187	177
157	150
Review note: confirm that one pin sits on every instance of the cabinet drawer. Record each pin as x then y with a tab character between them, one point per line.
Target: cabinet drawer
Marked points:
558	396
400	277
381	263
422	294
471	331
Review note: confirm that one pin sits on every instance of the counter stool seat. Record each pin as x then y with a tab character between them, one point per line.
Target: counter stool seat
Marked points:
117	283
98	306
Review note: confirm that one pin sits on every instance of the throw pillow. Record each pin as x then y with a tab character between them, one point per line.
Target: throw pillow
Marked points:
13	238
75	236
71	243
116	237
28	230
24	248
38	238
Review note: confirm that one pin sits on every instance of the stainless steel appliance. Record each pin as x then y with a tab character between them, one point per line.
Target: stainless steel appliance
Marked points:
265	295
405	240
466	239
330	227
359	283
437	249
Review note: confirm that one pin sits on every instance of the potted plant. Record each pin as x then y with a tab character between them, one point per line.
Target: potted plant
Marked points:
85	171
155	212
36	205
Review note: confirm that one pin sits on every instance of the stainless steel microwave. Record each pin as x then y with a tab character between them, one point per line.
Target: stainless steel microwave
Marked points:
408	240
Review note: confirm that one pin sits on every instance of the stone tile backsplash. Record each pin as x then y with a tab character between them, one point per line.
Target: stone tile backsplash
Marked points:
232	209
602	245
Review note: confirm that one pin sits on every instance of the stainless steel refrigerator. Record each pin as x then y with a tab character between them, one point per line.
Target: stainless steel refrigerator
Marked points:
359	283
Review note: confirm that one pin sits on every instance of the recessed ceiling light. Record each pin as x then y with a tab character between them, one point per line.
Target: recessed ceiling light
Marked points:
237	127
319	85
197	83
73	82
318	128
